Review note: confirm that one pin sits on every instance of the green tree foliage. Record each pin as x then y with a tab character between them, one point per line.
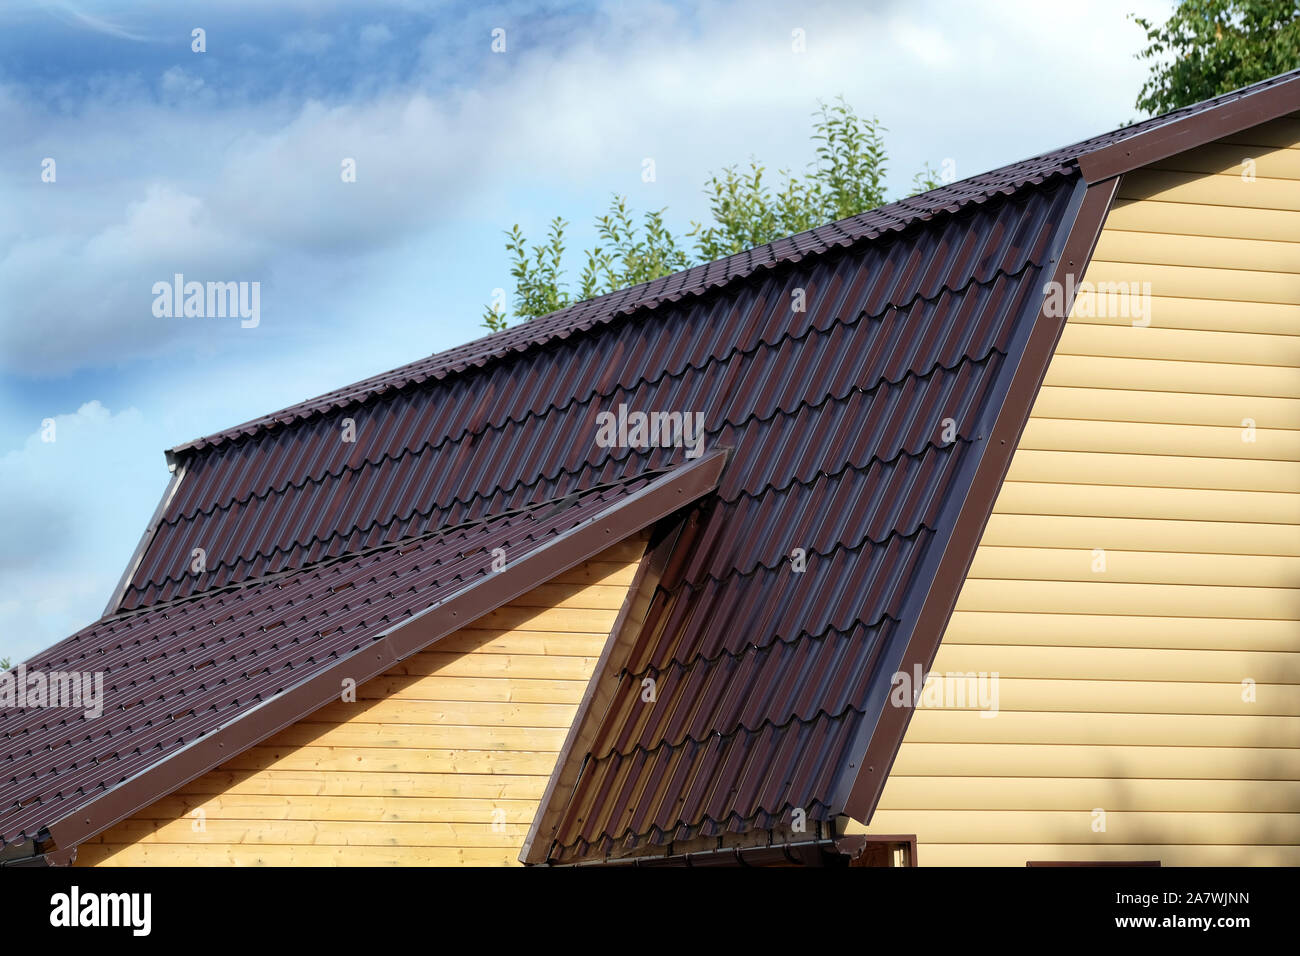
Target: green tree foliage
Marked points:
1209	47
746	210
4	664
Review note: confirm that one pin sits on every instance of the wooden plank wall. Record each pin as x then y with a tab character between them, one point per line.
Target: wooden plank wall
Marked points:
1121	684
442	760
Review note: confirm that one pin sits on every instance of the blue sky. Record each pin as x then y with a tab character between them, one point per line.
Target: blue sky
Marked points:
225	165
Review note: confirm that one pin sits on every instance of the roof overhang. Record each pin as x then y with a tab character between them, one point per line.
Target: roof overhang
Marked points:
624	517
1180	135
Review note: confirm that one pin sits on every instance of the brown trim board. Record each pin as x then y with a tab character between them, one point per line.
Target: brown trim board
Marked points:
628	516
868	778
1199	128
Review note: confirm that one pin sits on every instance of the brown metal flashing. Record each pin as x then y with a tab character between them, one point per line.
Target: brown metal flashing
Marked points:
625	517
1177	136
942	592
178	473
596	698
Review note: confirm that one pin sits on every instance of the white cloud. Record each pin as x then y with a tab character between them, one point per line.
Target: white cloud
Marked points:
73	510
74	300
187	174
226	191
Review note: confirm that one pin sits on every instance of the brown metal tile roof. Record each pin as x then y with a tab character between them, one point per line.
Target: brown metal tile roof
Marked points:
522	431
846	233
921	318
180	672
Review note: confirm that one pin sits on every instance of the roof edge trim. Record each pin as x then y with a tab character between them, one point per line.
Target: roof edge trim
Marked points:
951	562
667	494
146	539
1180	135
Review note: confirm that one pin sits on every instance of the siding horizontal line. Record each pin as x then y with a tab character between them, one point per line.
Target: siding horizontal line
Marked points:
943	808
1161	617
1089	321
1099	577
1038	514
1136	584
1103	713
1211	554
1150	358
1023	776
1179	391
1090	844
1121	197
1147	421
1125	680
1105	484
1163	166
1228	748
1141	648
1143	617
1202	298
1044	743
1198	235
399	726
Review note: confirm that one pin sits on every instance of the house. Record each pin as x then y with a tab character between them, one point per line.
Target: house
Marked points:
988	555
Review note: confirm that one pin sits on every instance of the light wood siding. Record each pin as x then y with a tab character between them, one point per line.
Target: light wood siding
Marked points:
442	760
1122	689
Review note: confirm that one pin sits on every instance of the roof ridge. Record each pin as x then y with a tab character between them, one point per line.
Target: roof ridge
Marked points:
537	333
836	322
1001	183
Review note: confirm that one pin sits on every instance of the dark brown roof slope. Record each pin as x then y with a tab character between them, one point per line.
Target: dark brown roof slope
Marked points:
179	676
870	429
877	223
835	417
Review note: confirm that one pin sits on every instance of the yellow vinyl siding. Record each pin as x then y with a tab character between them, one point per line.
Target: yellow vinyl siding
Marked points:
441	760
1121	685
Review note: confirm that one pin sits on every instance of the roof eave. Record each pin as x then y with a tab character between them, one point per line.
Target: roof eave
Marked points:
667	494
1198	129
